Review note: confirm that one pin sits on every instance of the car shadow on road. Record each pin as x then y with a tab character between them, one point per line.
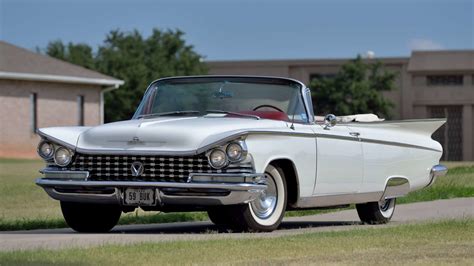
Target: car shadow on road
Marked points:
192	228
208	228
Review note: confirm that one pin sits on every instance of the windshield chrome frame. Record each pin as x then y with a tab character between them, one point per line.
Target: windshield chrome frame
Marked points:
302	86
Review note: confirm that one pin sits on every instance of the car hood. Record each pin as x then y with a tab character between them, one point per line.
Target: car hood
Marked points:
175	135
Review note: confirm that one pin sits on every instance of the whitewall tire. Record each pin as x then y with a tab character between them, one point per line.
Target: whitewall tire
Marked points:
266	212
376	212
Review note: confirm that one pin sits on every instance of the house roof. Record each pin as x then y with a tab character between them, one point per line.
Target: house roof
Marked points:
299	62
21	64
446	60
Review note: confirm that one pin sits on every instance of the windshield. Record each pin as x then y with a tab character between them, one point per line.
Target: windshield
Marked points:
246	96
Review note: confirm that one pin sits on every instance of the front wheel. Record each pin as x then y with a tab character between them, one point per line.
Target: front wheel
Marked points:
265	213
220	216
376	212
90	218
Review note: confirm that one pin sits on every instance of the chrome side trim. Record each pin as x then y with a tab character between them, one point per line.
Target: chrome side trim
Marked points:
400	144
375	141
437	170
398	121
339	199
396	187
242	133
329	136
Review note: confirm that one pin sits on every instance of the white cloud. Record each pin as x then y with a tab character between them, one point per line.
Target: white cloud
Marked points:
424	44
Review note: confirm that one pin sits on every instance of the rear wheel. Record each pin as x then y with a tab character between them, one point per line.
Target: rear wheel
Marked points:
90	218
266	212
376	212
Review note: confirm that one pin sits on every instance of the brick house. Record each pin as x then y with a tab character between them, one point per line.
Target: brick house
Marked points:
39	91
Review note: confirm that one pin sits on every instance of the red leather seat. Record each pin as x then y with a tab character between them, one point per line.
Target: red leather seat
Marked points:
274	115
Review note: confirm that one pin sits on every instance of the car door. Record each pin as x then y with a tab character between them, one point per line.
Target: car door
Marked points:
339	161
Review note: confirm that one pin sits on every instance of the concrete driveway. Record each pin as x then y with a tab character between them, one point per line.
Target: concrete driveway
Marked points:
191	231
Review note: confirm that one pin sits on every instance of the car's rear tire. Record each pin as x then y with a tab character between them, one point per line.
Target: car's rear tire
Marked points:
376	212
90	218
266	212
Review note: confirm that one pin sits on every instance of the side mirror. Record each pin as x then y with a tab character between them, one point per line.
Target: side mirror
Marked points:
330	120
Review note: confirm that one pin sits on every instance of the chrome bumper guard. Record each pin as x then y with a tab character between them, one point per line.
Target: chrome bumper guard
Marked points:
437	170
400	186
200	189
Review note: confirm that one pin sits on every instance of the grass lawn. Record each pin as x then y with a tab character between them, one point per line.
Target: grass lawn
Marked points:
438	243
23	205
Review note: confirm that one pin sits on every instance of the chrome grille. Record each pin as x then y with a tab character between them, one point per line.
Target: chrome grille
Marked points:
156	168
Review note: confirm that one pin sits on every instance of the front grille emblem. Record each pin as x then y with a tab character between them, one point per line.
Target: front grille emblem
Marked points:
137	168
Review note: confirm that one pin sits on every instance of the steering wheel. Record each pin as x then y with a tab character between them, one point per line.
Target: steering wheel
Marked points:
269	106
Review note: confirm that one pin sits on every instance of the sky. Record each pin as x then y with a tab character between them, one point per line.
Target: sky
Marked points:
252	29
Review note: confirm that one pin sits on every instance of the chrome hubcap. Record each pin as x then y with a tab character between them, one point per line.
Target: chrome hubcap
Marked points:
265	205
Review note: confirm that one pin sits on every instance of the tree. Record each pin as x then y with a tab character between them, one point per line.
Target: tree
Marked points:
134	59
78	54
355	89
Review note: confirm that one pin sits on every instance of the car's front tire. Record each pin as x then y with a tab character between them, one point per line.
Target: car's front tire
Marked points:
266	212
90	218
376	212
220	216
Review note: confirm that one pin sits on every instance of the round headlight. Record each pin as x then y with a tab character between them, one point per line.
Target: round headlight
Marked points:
234	152
217	158
62	156
45	150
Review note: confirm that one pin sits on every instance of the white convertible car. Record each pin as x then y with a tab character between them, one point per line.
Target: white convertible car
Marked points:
243	148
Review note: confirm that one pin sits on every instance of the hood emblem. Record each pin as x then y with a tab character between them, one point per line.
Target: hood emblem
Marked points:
137	168
135	141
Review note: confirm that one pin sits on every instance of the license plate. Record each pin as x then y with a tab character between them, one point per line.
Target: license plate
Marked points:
139	196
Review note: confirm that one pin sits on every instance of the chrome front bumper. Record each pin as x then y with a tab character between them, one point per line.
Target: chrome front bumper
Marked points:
200	190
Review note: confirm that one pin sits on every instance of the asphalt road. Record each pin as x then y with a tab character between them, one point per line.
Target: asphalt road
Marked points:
190	231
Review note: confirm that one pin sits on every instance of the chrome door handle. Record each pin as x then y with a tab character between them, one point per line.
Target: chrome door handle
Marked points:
354	134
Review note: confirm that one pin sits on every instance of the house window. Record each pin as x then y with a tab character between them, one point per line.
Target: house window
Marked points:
444	80
80	110
33	112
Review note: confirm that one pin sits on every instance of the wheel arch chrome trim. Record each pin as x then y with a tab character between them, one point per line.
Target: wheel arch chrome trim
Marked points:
294	170
396	186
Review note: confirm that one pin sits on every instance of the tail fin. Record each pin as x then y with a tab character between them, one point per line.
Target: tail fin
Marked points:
421	126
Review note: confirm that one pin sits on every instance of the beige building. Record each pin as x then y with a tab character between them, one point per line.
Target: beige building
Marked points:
430	84
39	91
